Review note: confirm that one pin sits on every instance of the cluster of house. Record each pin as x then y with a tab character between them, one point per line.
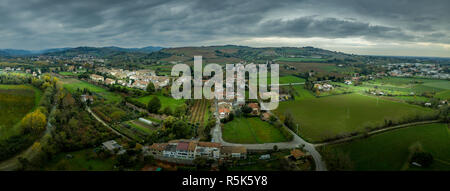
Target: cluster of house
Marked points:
135	79
323	85
19	69
417	69
85	58
191	149
225	108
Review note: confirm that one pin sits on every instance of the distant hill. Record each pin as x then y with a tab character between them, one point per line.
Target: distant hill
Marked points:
219	54
100	51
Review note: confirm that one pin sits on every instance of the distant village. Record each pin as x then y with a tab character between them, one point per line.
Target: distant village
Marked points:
134	79
416	69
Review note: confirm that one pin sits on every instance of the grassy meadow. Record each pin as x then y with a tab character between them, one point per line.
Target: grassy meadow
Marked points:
407	85
290	79
73	84
390	150
251	130
81	161
322	118
165	101
15	102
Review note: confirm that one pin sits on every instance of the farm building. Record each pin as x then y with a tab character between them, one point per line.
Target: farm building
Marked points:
255	108
113	147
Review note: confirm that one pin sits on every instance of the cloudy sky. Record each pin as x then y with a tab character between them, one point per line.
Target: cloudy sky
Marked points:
377	27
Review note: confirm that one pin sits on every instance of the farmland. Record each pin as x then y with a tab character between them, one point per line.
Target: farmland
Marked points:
141	126
407	85
73	85
251	130
327	117
390	150
68	74
15	102
290	79
199	111
165	101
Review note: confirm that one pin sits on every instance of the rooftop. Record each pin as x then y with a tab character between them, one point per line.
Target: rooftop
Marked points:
183	146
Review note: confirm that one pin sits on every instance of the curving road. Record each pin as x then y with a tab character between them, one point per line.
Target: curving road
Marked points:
297	141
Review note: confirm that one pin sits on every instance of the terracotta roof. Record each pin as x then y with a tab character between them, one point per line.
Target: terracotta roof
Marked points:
208	144
225	110
158	146
297	153
182	146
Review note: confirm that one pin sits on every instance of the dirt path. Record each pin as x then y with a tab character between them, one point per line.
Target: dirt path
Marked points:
106	125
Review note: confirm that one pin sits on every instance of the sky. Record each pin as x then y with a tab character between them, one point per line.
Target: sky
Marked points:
376	27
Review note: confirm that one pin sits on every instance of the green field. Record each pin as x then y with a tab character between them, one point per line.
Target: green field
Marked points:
443	95
290	79
389	151
251	130
406	85
81	161
73	84
165	101
327	117
15	102
68	74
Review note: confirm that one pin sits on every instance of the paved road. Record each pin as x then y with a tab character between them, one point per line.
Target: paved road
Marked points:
295	143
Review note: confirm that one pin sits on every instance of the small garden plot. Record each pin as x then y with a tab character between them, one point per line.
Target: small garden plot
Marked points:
199	111
141	126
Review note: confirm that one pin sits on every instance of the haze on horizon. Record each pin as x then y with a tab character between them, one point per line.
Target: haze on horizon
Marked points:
383	27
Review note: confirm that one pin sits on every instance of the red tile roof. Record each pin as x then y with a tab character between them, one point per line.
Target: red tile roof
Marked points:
183	146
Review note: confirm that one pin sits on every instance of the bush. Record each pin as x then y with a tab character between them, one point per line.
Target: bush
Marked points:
154	105
423	158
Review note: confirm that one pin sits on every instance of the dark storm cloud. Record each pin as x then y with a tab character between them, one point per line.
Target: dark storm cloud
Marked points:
53	23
